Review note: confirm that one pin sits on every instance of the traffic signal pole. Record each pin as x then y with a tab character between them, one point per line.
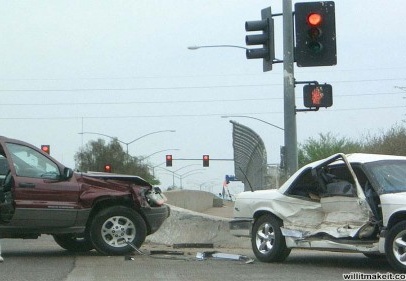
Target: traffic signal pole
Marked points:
311	43
291	152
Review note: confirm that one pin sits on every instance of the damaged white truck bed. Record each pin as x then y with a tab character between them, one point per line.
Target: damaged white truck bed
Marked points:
354	203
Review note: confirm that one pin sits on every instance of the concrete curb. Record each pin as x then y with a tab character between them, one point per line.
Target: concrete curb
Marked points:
185	226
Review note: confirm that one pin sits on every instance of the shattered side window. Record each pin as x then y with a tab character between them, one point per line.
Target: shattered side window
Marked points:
304	186
30	163
389	176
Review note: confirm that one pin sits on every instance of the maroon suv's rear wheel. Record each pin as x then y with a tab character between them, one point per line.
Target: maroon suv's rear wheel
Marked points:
113	228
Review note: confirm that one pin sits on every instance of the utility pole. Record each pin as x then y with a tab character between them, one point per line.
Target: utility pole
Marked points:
291	154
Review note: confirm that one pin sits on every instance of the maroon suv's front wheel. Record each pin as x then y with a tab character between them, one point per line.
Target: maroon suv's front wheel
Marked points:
113	228
74	242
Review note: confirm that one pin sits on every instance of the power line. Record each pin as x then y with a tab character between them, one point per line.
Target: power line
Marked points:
194	76
184	87
180	101
185	115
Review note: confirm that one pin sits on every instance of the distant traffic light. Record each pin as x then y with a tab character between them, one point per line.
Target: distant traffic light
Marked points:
46	148
315	34
266	39
318	95
206	160
168	160
107	168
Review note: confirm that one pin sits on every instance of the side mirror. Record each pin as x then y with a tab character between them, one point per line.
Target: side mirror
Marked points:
67	173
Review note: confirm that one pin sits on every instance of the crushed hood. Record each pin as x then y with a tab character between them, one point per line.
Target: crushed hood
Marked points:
118	177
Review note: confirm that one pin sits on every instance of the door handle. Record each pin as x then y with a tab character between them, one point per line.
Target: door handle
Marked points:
26	185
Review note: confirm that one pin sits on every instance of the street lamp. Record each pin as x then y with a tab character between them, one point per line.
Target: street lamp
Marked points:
189	173
216	46
143	158
127	143
273	125
180	176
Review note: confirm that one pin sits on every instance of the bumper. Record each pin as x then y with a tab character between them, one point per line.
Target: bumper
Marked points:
241	227
155	217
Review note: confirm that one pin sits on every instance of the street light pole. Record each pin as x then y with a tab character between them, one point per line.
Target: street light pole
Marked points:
216	46
156	132
127	143
291	153
156	152
244	116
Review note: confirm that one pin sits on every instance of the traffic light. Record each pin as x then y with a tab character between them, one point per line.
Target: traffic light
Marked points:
168	160
318	95
206	160
315	34
46	148
266	39
107	168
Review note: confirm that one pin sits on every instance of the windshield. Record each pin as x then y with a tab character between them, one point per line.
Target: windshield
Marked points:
389	176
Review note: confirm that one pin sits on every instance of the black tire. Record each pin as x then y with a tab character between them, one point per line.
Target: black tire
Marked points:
113	227
74	242
267	240
395	246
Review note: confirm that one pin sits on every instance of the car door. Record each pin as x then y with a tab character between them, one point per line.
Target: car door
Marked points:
41	197
340	208
6	197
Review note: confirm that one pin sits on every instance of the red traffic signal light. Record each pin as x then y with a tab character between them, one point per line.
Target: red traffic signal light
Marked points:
315	34
107	168
318	95
46	148
168	160
206	160
314	19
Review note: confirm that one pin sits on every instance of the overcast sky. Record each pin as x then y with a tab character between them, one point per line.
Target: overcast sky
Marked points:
122	68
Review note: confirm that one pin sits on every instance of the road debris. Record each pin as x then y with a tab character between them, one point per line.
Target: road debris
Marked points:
157	254
223	256
193	245
180	255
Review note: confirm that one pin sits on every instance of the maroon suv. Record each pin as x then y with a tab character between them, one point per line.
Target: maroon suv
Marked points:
83	211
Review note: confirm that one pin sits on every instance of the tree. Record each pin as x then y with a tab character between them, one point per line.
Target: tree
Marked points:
96	154
316	149
393	142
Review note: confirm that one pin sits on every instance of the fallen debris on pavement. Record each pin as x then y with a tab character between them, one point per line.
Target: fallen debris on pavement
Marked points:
180	255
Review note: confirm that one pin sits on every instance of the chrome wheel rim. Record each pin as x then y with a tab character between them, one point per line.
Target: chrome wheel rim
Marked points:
399	247
265	238
117	231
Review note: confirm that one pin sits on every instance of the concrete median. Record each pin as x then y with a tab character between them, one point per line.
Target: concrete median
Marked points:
188	226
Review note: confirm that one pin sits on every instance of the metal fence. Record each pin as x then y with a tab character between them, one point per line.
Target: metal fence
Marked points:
250	159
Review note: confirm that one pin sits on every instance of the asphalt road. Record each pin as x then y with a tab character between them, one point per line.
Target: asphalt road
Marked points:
42	259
